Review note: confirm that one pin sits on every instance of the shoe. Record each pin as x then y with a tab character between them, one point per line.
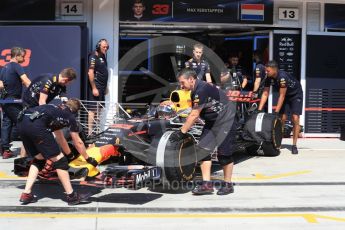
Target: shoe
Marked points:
75	198
204	189
7	154
27	198
225	189
294	149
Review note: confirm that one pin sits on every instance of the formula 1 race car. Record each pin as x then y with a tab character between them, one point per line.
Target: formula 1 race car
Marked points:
140	150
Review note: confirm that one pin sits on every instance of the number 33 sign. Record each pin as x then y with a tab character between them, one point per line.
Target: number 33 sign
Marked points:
160	9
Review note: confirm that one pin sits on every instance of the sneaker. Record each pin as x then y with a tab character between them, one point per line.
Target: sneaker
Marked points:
225	189
7	154
27	198
75	198
205	188
294	149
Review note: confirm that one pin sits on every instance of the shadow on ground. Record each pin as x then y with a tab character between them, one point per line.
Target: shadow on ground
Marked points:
127	198
54	190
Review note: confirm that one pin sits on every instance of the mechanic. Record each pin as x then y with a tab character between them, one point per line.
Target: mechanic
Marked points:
98	78
199	64
46	87
36	128
290	93
260	73
212	105
235	74
12	78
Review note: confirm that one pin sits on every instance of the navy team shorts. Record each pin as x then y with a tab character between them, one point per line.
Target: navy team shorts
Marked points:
37	139
295	104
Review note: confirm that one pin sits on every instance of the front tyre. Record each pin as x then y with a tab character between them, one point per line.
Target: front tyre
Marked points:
178	160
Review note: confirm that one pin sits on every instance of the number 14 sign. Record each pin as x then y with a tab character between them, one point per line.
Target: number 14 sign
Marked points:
71	8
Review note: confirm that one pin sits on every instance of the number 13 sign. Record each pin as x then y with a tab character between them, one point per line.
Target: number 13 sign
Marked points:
288	14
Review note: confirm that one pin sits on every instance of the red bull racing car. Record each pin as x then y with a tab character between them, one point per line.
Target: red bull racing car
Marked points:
138	150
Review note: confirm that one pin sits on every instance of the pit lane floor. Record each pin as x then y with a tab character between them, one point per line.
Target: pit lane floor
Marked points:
304	191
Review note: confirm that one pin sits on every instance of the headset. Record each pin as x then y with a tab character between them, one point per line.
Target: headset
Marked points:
98	45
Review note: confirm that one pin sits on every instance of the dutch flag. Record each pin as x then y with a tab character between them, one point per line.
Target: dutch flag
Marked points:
254	12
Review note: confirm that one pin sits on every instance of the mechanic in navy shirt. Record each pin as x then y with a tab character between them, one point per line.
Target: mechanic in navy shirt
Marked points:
36	128
290	93
98	78
259	73
198	64
12	77
219	114
235	77
46	87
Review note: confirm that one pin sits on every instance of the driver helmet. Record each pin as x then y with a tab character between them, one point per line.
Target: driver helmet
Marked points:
165	111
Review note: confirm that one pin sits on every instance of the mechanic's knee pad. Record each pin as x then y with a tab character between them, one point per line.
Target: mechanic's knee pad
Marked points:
225	160
203	154
39	163
61	164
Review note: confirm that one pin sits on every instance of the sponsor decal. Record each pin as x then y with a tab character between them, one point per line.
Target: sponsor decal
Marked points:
137	133
122	126
282	83
259	122
146	175
257	72
239	96
106	138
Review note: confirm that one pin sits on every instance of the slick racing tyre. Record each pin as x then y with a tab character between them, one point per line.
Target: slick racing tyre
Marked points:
178	160
265	130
